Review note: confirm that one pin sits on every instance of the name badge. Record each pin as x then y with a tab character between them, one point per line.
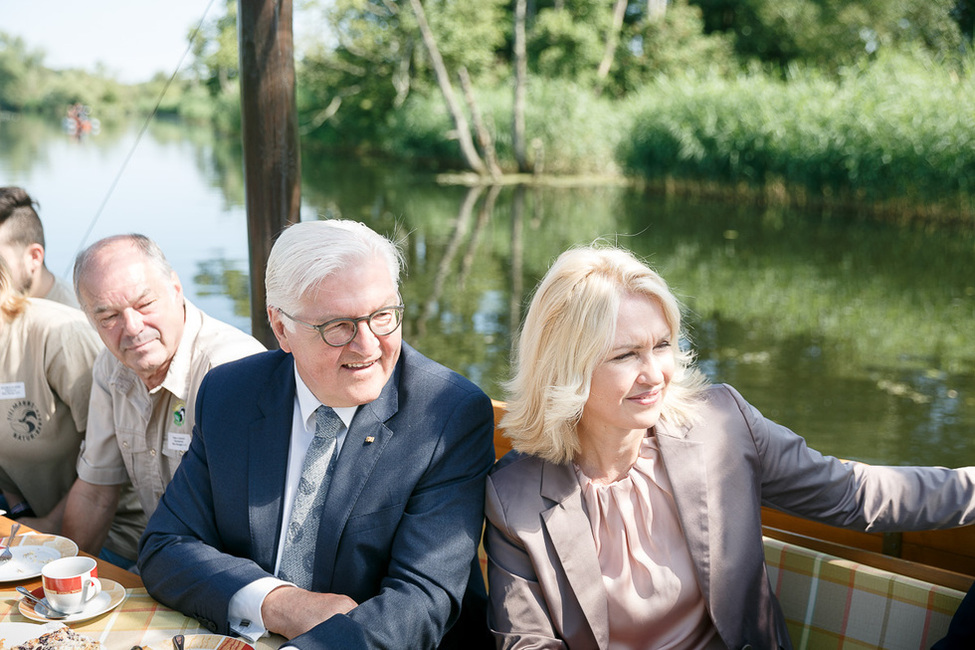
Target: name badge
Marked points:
178	441
13	390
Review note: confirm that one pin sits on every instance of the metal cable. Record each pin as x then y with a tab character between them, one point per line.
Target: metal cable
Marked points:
145	127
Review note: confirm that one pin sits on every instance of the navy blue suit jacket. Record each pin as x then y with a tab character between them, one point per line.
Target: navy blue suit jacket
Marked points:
403	513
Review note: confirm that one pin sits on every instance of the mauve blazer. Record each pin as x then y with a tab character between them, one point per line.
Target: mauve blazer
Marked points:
545	586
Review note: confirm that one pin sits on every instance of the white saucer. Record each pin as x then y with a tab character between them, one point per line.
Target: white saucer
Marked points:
111	595
14	634
31	552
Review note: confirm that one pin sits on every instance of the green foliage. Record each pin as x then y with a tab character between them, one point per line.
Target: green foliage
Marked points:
570	130
674	45
215	51
833	33
899	127
560	46
27	86
469	32
348	91
21	74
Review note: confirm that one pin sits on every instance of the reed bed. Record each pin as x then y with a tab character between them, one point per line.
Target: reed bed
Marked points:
897	134
893	130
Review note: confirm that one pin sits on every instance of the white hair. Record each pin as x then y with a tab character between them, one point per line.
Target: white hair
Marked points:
307	253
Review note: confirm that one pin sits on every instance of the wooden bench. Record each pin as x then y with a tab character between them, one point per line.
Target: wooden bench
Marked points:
831	602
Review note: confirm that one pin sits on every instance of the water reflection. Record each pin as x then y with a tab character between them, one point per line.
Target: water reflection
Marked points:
858	334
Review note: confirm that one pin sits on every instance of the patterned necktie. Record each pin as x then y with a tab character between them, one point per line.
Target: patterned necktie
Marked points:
298	557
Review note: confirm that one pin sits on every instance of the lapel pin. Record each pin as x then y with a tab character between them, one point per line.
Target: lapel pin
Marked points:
369	439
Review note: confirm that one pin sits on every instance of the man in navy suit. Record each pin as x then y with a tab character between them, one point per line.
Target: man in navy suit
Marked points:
394	563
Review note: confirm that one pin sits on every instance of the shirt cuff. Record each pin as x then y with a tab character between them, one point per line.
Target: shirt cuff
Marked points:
244	611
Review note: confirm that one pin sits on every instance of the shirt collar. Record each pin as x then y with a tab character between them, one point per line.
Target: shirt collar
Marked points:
308	403
177	379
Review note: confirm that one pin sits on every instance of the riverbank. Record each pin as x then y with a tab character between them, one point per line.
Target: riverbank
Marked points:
892	138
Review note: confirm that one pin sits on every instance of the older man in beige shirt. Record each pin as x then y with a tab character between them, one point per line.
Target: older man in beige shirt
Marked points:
141	415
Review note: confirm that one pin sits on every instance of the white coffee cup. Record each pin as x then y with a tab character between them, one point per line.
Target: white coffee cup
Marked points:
70	582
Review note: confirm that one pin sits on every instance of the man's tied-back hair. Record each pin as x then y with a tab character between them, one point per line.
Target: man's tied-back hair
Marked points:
17	213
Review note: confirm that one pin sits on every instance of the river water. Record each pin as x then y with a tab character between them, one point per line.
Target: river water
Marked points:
858	334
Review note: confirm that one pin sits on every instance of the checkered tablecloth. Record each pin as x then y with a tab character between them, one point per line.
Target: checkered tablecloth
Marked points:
137	621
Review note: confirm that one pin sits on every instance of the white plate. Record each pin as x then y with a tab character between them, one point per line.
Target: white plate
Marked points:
31	552
204	642
111	595
13	634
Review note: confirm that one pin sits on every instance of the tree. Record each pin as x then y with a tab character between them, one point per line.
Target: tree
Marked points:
520	64
612	41
21	75
443	79
669	44
215	51
831	33
375	58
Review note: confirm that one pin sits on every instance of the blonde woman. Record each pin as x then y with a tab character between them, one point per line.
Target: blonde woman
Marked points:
629	514
46	353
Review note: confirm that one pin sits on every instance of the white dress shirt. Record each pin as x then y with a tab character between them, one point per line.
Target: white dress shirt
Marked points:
245	606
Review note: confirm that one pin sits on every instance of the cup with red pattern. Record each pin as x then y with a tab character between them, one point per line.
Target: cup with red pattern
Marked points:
70	582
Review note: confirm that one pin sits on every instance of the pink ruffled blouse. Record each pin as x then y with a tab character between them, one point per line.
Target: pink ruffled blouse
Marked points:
653	595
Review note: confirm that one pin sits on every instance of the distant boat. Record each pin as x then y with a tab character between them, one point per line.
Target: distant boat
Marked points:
78	122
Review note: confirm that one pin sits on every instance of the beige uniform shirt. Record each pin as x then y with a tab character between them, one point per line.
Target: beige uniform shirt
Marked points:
141	435
46	356
63	293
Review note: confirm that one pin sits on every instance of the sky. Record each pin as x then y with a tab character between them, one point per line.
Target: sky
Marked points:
134	39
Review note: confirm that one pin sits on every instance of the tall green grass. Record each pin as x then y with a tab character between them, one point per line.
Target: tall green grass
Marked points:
895	129
899	130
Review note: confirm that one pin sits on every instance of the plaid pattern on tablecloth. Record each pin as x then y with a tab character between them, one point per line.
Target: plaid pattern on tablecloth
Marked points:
137	621
834	603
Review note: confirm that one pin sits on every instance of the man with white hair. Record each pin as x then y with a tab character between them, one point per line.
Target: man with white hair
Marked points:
333	492
158	348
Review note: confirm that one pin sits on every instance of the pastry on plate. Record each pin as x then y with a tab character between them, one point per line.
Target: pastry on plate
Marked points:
63	638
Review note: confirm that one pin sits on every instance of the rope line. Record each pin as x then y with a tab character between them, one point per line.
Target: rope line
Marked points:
138	139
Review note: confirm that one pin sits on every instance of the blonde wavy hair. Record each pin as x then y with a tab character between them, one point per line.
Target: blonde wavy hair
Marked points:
568	331
12	302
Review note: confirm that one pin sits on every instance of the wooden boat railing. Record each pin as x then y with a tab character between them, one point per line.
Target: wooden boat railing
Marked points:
944	557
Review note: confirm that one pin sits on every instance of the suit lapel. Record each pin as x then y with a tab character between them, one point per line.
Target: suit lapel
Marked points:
568	527
269	438
367	438
686	468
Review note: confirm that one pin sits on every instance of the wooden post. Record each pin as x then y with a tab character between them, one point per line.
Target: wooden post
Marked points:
269	125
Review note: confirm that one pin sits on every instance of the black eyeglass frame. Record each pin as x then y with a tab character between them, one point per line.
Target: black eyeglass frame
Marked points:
397	309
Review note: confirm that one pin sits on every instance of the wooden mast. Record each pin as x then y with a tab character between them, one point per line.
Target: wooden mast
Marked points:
269	125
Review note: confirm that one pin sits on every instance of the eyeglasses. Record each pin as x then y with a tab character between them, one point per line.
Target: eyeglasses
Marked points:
341	331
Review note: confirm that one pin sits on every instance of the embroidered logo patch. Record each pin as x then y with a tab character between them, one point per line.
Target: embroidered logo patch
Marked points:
179	413
25	420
